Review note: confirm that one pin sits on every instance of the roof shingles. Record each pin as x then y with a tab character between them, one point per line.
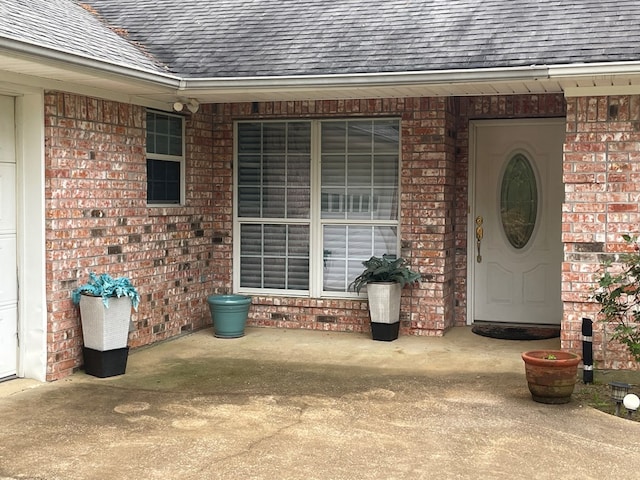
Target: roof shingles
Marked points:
238	38
65	26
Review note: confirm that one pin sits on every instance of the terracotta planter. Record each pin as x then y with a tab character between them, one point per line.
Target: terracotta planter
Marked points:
551	380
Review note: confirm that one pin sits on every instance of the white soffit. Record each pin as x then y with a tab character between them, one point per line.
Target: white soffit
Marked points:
598	78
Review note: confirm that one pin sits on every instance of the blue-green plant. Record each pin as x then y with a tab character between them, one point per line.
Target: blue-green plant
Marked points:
106	287
618	294
387	268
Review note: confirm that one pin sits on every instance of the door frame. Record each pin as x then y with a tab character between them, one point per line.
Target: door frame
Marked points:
30	238
473	136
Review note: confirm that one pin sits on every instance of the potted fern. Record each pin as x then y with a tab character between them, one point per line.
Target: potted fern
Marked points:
105	312
384	278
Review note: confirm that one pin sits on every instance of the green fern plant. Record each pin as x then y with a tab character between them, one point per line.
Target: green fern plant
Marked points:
106	287
618	294
387	268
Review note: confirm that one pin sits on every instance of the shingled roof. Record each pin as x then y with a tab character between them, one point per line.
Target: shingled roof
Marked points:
247	38
155	52
65	26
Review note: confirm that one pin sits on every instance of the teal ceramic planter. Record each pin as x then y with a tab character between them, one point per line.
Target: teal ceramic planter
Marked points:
229	314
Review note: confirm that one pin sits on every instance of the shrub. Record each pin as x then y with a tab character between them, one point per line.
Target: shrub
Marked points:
618	294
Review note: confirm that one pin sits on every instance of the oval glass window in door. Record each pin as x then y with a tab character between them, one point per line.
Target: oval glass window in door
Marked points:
519	201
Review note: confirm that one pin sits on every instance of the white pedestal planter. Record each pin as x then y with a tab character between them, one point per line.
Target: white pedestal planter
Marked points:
384	309
105	332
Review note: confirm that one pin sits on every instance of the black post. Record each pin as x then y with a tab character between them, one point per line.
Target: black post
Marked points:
587	350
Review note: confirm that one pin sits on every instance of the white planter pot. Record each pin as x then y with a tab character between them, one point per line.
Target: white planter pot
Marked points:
384	301
105	328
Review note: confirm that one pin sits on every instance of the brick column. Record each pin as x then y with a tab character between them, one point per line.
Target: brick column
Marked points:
602	195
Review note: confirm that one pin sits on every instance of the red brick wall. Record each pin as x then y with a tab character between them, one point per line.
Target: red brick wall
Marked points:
97	220
427	182
602	188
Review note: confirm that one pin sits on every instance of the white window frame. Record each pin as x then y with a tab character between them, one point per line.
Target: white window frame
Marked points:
181	159
315	222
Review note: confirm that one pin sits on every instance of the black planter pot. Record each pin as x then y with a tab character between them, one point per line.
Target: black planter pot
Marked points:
108	363
386	332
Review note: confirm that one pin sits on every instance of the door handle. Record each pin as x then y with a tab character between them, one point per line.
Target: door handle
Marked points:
479	235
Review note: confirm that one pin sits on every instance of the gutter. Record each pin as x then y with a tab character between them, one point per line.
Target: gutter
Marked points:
360	80
562	72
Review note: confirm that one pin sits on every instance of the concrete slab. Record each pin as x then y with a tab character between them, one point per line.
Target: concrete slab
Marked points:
293	404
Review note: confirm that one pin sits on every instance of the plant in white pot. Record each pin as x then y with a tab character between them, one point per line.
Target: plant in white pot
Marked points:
105	312
384	278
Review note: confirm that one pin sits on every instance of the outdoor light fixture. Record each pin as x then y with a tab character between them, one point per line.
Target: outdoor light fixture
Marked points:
631	403
618	392
192	105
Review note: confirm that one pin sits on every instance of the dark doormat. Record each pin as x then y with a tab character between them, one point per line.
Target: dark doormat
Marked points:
514	331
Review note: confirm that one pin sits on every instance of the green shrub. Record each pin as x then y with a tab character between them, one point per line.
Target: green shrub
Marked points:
618	294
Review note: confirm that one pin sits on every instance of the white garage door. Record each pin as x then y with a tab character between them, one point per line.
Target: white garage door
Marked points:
8	264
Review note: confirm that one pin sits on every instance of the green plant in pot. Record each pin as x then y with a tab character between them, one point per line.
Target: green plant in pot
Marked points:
384	278
105	312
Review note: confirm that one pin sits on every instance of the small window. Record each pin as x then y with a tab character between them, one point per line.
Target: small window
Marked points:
165	158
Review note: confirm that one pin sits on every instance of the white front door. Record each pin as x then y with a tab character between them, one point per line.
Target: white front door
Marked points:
515	245
8	259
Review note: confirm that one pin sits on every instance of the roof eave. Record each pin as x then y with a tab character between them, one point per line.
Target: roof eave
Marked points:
46	56
151	86
364	85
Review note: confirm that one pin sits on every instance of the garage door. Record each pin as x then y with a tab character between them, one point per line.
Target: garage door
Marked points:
8	264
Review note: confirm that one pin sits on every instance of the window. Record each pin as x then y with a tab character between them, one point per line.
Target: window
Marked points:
314	199
519	201
165	158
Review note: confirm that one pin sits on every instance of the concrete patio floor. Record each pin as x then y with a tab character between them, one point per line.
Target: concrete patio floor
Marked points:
292	404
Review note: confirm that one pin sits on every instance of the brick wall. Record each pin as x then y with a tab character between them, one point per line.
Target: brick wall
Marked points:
602	188
97	220
427	182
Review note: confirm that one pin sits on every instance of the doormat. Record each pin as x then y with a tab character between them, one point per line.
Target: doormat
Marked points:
512	331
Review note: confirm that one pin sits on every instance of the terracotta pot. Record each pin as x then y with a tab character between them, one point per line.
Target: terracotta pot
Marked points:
551	380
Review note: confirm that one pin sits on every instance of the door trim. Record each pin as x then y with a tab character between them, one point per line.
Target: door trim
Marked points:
30	248
471	187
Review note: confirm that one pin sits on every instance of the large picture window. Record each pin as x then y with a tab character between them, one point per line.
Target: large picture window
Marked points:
165	158
313	200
